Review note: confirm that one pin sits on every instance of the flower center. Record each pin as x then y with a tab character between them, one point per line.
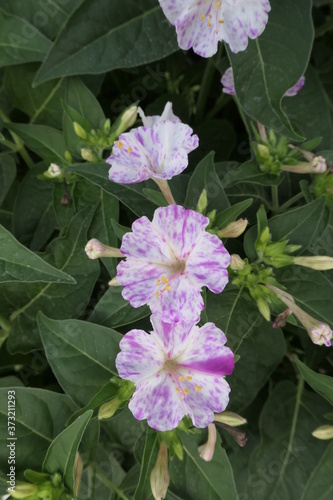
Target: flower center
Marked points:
183	382
213	16
164	283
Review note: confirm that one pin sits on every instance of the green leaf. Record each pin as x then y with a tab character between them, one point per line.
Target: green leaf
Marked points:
20	41
17	263
231	214
105	394
81	355
46	141
129	194
319	485
273	63
287	454
260	346
250	173
24	301
60	456
40	416
114	311
7	175
49	16
323	384
96	49
197	479
143	490
34	227
205	177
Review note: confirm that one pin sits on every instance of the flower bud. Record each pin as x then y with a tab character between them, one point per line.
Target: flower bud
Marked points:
95	250
68	156
206	451
319	165
160	477
236	263
234	229
264	309
107	126
125	120
323	432
263	151
114	282
54	170
78	469
320	333
88	155
202	202
317	262
79	130
107	410
230	418
23	490
316	166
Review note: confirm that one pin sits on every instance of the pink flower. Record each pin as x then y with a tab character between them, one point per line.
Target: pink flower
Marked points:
228	83
178	369
158	150
168	262
201	24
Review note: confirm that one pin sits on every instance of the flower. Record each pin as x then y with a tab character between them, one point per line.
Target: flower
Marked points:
228	83
168	262
206	450
95	250
233	229
158	150
178	369
201	24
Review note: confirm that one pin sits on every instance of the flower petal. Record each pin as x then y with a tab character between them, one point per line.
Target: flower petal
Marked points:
208	262
296	88
174	337
156	400
149	121
227	81
180	227
128	160
140	356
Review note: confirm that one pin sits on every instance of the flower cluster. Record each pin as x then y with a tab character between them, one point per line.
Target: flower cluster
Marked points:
178	369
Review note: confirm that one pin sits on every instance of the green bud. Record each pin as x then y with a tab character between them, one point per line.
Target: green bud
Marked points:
68	156
230	418
23	490
202	202
281	261
79	130
264	309
125	120
88	155
56	480
107	126
323	432
211	216
263	151
107	410
272	137
282	147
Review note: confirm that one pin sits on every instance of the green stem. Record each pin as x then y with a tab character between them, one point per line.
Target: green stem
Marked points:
242	114
205	86
19	143
291	201
4	325
220	103
109	484
275	199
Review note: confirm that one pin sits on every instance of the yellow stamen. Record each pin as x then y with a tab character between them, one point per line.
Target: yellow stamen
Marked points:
162	279
177	389
158	282
189	377
203	16
210	16
129	150
221	21
181	378
168	288
209	24
186	390
198	388
157	294
217	5
166	280
120	144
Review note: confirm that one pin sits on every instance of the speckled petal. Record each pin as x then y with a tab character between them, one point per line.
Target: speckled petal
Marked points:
173	337
181	227
168	114
208	262
227	81
138	280
156	400
182	303
296	88
140	356
206	352
243	19
173	9
128	160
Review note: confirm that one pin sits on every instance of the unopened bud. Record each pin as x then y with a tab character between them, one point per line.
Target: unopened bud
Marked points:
234	229
114	282
54	170
236	263
320	333
263	151
88	155
160	477
264	309
316	166
68	156
319	165
107	126
323	432
230	418
317	262
202	202
107	410
23	490
78	469
125	120
79	130
206	451
95	250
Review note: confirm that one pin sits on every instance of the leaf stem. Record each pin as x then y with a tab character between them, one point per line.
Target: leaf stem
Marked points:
291	201
165	189
206	85
19	143
275	199
109	484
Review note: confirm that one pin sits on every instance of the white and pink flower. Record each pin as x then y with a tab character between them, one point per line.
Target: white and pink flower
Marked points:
158	150
201	24
168	262
178	369
228	84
